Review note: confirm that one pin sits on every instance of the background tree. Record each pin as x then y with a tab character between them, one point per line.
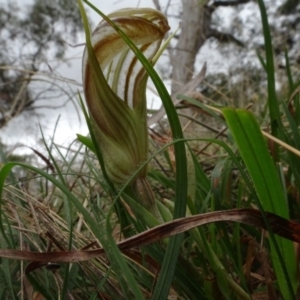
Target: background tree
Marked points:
30	38
204	23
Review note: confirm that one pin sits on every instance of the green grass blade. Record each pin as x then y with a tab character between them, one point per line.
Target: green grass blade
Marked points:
292	86
8	277
67	204
123	276
262	170
202	106
86	141
261	60
272	98
288	70
248	137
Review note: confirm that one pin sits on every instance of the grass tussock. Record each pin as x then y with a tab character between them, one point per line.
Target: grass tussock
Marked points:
226	201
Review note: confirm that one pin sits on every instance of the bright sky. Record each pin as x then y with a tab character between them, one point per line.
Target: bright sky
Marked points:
24	130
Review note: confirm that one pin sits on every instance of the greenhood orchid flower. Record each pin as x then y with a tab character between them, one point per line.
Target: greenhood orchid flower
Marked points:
117	99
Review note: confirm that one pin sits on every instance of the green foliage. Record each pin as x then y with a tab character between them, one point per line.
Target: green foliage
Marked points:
268	186
76	206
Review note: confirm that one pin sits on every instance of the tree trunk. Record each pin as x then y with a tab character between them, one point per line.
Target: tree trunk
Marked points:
195	29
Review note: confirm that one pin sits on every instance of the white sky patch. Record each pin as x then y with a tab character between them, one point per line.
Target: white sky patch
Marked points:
24	129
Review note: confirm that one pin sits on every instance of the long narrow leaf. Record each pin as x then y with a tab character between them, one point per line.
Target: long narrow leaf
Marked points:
262	170
272	98
283	227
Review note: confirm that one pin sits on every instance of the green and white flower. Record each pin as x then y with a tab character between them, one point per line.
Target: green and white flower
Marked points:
116	100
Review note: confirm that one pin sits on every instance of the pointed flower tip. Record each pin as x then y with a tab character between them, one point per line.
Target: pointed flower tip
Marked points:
117	85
